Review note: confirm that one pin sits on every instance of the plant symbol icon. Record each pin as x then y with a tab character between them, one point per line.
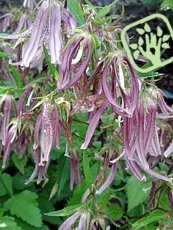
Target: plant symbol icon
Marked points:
150	44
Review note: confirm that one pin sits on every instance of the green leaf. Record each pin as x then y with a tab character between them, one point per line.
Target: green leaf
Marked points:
166	38
87	169
105	10
17	78
63	174
136	54
5	184
8	223
66	211
24	205
115	212
140	31
134	46
137	192
159	31
165	46
140	41
76	10
3	54
147	28
156	215
51	67
20	163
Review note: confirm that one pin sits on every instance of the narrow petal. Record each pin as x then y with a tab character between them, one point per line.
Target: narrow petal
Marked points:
109	179
55	40
93	124
69	221
34	41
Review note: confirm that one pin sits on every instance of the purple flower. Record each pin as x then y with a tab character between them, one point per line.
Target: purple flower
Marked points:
93	124
11	135
46	132
75	60
70	221
29	3
45	31
6	117
4	22
75	174
115	89
141	138
109	179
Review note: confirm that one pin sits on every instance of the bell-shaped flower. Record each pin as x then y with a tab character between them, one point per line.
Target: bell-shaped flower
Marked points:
75	60
122	92
141	138
46	131
45	31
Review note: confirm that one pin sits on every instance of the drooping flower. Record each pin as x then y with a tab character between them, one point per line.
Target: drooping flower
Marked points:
74	171
6	117
75	60
141	138
45	31
46	132
122	94
29	3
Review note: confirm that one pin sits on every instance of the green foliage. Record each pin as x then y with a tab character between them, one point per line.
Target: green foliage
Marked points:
20	163
149	218
5	184
66	211
17	78
51	67
76	9
62	174
25	206
137	192
8	223
87	170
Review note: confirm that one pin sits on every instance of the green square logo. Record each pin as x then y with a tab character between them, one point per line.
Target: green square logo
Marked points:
149	43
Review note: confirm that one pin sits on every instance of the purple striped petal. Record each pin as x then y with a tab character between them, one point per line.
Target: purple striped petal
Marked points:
69	221
34	41
9	139
55	40
93	124
6	118
109	179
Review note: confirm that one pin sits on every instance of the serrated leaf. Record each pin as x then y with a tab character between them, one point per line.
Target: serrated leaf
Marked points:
149	218
140	31
134	46
166	38
5	184
24	205
66	211
87	170
140	41
115	212
165	46
76	10
137	192
19	163
8	223
159	31
136	54
147	28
